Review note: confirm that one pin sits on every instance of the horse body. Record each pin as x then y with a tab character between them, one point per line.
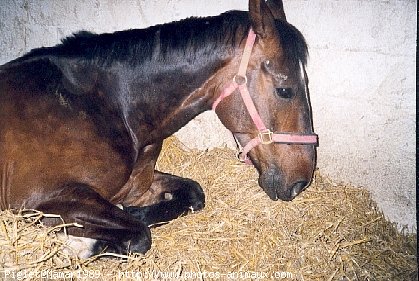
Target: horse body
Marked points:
82	123
108	118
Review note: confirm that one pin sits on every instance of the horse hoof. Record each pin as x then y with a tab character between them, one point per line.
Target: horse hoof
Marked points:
191	195
139	243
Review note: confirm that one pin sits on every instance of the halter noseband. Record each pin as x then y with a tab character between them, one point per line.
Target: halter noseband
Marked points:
265	136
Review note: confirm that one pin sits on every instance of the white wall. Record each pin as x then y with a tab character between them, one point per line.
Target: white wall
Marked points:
362	73
362	77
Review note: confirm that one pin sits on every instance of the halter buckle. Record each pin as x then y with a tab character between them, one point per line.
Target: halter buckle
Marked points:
265	136
239	79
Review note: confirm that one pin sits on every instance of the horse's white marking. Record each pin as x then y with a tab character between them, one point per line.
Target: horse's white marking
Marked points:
281	77
81	247
120	206
303	79
168	196
191	209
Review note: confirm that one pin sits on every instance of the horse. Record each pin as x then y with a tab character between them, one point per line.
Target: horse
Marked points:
82	123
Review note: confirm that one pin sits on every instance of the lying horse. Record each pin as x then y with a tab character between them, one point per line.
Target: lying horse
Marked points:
82	123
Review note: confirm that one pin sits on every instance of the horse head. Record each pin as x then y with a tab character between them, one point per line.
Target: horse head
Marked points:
271	117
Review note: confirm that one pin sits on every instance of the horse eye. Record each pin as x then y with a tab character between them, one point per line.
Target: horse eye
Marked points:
285	93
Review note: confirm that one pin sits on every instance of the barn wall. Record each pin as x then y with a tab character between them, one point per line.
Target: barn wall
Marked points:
361	70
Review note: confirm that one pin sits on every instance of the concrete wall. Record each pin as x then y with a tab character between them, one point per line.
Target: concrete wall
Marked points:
362	77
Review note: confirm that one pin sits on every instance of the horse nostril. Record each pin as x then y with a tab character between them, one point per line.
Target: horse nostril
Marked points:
297	188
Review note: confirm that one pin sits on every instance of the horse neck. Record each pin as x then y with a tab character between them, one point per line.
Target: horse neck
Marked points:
171	94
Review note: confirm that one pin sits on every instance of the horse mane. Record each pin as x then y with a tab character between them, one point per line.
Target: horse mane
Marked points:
187	40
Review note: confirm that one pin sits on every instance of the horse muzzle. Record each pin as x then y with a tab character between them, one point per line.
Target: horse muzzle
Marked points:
276	187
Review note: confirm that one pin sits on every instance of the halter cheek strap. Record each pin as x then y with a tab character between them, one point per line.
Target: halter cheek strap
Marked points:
265	136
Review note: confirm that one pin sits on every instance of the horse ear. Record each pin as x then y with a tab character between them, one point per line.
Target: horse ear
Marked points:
277	9
261	17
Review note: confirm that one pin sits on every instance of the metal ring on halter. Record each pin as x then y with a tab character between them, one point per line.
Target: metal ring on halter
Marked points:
243	159
243	79
265	136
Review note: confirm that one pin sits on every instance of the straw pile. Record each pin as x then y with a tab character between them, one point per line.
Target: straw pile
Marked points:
330	232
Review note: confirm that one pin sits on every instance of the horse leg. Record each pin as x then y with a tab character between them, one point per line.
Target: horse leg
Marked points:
113	229
168	198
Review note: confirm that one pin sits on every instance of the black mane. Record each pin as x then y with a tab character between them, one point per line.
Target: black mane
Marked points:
182	40
189	38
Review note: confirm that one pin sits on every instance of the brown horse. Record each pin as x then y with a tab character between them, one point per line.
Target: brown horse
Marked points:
82	123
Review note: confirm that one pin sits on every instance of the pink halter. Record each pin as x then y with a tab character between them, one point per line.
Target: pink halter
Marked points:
265	136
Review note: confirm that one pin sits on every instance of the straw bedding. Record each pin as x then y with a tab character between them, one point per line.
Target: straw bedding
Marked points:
330	232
